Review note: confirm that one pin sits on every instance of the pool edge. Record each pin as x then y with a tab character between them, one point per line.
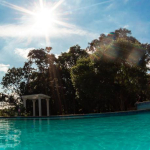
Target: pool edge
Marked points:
81	116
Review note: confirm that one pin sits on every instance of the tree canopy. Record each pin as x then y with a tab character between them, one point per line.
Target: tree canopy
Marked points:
111	74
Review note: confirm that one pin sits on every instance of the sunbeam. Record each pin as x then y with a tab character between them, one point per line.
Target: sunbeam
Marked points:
41	4
57	5
44	19
21	9
93	5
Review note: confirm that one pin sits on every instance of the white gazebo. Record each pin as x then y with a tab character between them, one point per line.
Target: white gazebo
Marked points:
38	97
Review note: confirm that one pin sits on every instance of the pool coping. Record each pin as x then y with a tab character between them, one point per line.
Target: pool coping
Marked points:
81	116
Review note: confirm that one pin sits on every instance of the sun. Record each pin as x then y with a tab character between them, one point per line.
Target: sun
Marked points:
45	19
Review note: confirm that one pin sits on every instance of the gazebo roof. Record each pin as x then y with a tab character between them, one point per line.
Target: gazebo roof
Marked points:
36	96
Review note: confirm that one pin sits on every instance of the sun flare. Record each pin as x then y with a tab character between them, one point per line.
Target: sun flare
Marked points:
45	19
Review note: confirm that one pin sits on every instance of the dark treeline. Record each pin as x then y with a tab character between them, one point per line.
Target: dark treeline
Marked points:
111	74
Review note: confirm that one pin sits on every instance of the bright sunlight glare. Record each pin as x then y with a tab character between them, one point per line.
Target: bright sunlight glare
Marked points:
45	19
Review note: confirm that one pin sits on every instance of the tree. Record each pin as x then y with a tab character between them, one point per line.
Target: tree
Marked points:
13	80
104	40
110	75
120	77
65	62
44	77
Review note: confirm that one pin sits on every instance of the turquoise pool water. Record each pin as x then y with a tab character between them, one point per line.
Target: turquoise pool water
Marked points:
130	132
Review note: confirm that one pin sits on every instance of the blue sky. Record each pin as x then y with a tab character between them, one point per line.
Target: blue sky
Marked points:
77	22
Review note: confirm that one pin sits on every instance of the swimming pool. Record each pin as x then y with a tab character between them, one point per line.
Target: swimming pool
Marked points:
131	132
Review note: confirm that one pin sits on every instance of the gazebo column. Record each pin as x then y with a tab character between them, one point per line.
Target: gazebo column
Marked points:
33	106
47	102
40	109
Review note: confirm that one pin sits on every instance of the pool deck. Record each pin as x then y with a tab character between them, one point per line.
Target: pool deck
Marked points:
82	116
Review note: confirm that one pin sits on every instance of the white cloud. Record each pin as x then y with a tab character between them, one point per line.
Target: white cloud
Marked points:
4	68
28	31
22	52
126	26
14	30
57	55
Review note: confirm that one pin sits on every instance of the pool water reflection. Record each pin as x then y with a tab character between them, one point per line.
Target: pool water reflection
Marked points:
109	133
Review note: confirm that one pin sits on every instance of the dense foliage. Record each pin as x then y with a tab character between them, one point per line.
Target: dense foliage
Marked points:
111	74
